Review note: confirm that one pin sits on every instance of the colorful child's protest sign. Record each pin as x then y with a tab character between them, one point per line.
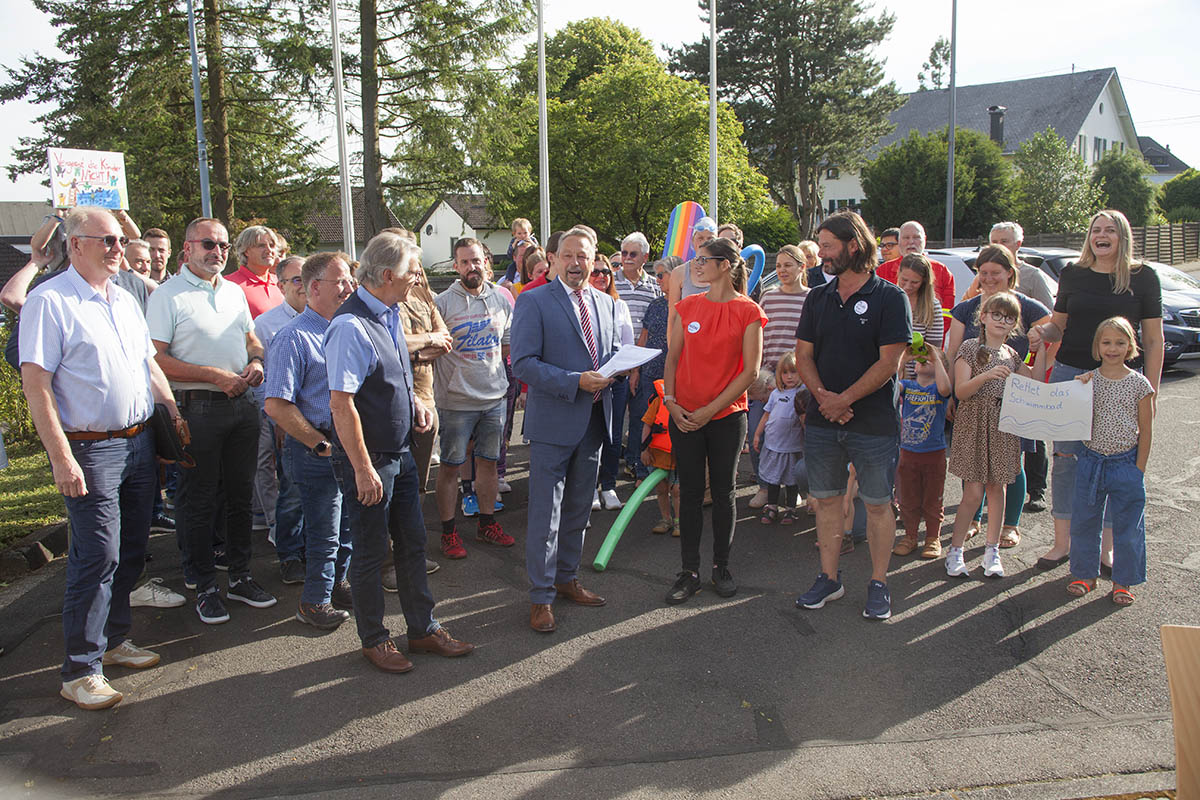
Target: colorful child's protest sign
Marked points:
87	178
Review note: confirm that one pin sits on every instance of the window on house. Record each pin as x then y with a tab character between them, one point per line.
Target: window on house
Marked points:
1081	146
831	173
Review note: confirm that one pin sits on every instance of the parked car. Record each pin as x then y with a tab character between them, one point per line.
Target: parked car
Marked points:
953	261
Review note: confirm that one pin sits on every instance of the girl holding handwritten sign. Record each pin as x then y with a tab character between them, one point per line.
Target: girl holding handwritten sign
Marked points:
986	458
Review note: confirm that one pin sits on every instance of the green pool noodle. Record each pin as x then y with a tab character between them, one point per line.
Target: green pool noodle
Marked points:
618	527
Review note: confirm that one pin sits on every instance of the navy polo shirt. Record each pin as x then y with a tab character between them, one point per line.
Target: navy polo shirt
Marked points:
846	338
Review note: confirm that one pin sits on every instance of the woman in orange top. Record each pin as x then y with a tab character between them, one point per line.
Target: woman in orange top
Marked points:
713	351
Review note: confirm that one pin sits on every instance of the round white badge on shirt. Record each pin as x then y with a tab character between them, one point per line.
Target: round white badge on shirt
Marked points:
860	307
693	327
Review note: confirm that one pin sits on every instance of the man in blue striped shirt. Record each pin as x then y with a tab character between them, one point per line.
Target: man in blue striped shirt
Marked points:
297	399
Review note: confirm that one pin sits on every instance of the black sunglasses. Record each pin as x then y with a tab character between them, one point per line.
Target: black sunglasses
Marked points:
601	271
209	244
108	240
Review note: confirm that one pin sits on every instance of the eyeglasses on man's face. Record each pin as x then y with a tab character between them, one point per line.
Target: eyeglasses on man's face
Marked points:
209	244
110	240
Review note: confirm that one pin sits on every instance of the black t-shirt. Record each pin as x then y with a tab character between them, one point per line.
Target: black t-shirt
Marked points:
1087	298
846	338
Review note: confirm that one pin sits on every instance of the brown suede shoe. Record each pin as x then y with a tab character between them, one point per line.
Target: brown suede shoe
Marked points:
905	546
541	618
440	643
386	657
932	548
574	592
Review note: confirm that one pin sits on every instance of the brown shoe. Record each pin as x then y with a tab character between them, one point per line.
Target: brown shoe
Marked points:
578	595
905	546
440	643
932	548
541	618
386	657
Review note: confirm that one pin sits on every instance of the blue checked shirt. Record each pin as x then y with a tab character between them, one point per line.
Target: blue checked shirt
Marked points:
298	372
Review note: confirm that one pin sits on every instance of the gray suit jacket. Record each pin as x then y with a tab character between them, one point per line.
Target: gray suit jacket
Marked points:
549	353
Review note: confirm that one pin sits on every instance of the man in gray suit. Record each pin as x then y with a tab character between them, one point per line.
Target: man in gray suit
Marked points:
562	332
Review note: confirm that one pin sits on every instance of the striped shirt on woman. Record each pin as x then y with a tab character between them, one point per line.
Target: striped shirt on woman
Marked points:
783	317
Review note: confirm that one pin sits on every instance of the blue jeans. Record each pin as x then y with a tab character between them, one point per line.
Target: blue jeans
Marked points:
110	526
398	517
327	544
1117	480
610	453
828	452
290	541
1065	460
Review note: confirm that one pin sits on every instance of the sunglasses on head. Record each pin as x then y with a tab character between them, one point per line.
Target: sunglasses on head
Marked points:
209	244
601	271
109	240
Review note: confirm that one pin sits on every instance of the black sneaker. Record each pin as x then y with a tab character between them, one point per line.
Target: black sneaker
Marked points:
1035	505
248	592
220	560
210	608
686	585
342	598
723	583
431	566
292	571
162	524
323	616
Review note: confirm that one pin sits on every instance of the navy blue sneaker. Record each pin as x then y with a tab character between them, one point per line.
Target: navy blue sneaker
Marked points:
823	590
879	601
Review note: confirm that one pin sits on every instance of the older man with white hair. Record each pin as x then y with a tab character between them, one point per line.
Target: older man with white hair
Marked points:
1030	280
912	240
374	413
638	290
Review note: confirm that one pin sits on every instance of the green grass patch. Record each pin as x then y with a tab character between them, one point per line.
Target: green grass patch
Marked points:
28	499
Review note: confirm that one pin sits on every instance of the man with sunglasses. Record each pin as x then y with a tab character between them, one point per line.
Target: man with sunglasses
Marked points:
200	324
274	493
638	290
91	380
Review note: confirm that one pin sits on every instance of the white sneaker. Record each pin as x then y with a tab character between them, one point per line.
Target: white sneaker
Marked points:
759	500
434	459
128	654
610	499
955	566
596	501
91	692
503	487
992	567
152	593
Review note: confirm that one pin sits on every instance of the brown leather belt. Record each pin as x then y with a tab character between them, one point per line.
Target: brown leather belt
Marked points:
99	436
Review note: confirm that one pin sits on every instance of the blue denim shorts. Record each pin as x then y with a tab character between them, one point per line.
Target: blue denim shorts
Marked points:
457	428
828	452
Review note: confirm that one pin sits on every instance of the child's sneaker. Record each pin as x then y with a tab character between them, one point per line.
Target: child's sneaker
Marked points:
905	546
955	566
932	548
992	567
470	504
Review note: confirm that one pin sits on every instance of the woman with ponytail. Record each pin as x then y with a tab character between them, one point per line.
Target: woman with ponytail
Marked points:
714	348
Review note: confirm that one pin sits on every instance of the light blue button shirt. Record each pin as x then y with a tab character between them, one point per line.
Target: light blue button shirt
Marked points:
266	326
298	368
201	323
349	354
96	349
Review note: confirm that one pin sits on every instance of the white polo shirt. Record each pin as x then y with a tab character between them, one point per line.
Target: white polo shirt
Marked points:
96	349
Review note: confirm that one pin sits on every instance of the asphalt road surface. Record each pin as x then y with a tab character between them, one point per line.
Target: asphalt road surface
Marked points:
984	688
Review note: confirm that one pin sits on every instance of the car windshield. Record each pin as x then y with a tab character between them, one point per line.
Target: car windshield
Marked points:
1176	280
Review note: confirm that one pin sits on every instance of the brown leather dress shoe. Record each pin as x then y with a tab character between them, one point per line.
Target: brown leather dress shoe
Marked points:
541	618
574	592
440	643
386	657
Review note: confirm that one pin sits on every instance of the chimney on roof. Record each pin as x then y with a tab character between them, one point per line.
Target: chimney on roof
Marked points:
997	129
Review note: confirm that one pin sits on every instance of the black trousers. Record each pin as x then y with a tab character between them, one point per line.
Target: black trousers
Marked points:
1036	466
717	447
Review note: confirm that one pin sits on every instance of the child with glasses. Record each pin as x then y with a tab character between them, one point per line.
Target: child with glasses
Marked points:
986	458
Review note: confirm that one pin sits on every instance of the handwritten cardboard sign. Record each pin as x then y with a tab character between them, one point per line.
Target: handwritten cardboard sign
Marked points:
1052	411
87	178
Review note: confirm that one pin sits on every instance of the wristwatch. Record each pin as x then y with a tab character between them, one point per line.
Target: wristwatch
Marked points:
259	359
321	448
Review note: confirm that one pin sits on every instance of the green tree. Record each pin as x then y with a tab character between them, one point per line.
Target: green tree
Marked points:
429	71
1122	177
580	50
126	86
934	70
1182	190
1053	191
907	180
806	84
628	146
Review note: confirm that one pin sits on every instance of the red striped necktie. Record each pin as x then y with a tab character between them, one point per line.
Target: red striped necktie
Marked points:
585	322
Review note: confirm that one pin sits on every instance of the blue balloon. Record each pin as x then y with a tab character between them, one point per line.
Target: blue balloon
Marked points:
757	259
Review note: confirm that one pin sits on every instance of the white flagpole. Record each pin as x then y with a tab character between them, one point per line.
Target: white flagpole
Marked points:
343	156
543	138
712	109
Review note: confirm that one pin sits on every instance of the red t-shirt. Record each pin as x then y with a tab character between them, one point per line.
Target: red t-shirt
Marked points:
262	294
712	349
943	284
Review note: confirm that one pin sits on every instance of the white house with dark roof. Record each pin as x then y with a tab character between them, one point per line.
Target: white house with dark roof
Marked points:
1166	164
1088	109
457	215
328	223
